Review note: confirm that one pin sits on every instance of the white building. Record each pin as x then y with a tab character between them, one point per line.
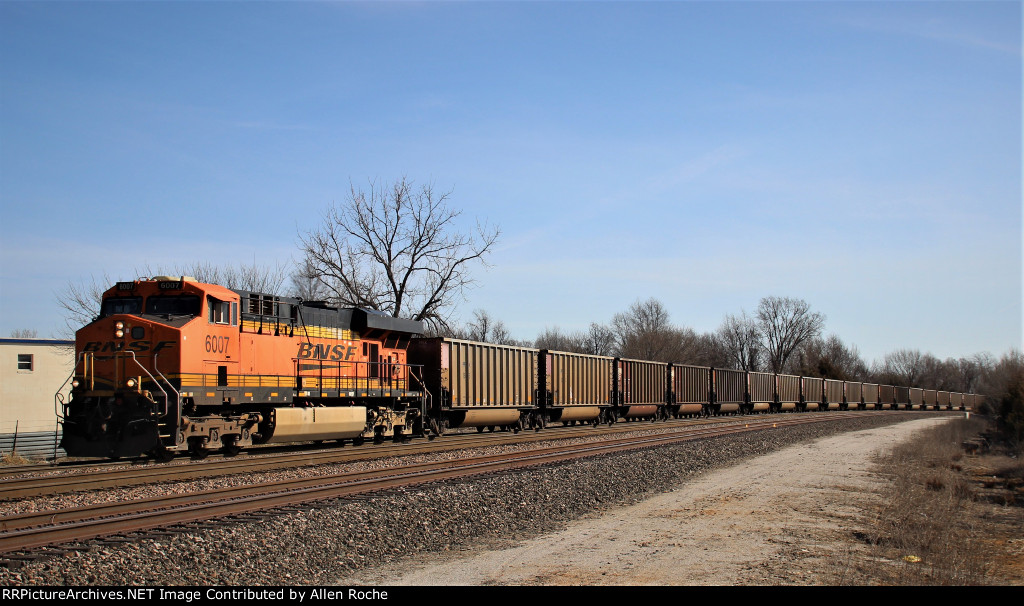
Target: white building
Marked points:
31	372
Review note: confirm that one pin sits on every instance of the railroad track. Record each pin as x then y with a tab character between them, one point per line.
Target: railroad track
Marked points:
23	532
108	475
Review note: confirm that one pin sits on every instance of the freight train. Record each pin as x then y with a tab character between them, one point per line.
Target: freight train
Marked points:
173	365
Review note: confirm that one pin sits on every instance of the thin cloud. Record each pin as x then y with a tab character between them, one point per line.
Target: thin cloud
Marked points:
939	30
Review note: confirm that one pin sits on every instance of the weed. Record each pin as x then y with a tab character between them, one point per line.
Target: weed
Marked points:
12	458
922	534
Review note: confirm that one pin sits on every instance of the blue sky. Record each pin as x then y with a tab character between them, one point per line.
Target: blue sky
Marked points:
865	157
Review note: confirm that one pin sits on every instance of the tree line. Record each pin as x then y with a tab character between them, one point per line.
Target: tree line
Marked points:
783	335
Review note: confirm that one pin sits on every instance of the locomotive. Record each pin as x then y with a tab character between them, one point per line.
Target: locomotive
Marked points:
172	365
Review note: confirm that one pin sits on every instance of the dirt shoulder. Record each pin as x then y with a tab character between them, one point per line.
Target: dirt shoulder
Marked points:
789	517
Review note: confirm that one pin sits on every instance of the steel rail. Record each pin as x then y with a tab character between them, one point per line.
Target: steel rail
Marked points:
29	519
115	519
93	478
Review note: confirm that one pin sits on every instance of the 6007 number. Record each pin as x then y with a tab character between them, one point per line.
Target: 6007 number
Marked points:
217	344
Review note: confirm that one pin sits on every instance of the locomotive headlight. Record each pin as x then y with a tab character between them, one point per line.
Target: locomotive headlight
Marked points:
119	325
130	382
119	333
75	383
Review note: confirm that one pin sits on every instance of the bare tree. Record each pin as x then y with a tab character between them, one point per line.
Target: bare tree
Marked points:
902	367
555	339
831	359
599	340
305	284
704	349
741	340
81	301
24	333
971	370
485	329
644	332
943	375
254	277
396	249
785	323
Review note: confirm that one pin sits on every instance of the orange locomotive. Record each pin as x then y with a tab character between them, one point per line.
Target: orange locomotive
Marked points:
172	364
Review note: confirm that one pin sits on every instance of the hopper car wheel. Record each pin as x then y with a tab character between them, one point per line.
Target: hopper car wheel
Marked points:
490	428
480	429
358	441
537	421
231	448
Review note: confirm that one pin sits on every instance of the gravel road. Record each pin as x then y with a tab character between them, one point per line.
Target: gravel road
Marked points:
776	518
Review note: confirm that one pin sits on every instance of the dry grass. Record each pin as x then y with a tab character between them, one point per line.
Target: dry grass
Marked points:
13	458
932	524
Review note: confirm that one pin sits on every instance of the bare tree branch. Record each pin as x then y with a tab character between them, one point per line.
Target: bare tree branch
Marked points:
395	249
741	340
785	323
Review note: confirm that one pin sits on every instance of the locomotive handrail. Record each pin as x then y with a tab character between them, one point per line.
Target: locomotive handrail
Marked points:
389	375
177	394
155	382
427	400
58	398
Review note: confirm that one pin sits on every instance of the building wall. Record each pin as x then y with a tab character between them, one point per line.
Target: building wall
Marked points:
31	372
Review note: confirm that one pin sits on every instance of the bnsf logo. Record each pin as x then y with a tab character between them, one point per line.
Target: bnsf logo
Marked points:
137	346
326	352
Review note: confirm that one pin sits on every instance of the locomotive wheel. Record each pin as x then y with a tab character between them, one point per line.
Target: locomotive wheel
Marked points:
161	454
197	448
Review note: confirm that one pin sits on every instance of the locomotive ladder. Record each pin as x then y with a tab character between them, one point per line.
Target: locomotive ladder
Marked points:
165	423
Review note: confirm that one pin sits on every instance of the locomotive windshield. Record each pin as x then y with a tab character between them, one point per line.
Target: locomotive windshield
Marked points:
121	305
179	305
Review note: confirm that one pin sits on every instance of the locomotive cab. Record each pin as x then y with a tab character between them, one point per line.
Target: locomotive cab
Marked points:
128	364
